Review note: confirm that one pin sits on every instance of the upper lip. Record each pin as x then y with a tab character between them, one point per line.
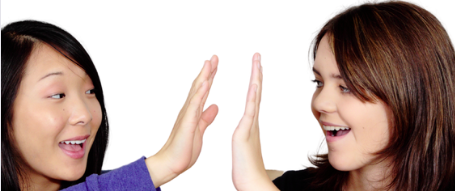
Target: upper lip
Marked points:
331	124
78	138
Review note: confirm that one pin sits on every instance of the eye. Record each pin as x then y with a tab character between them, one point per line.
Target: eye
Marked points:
57	96
344	89
318	83
92	91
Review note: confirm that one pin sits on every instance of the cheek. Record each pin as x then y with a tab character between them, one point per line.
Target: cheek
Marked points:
36	130
369	123
39	122
379	127
97	115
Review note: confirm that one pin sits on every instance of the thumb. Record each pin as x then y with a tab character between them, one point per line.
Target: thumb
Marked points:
207	117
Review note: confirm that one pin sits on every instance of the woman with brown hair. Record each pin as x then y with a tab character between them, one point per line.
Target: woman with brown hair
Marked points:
385	99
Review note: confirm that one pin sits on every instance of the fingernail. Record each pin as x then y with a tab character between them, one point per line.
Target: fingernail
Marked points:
257	57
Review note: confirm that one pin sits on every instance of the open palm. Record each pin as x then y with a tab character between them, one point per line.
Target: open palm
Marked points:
248	171
184	145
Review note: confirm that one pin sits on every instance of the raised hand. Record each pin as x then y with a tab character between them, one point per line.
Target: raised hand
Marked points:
185	142
248	171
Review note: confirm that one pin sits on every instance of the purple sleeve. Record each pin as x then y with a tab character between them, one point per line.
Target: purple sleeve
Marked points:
134	176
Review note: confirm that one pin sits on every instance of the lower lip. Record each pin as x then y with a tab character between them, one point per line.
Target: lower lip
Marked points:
335	138
75	154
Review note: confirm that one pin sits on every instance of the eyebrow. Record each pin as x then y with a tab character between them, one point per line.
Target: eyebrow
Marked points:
51	74
337	76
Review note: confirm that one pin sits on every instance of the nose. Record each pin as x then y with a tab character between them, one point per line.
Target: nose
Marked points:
80	114
324	101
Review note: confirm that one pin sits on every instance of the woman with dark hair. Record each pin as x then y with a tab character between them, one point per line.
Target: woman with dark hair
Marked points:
54	122
385	94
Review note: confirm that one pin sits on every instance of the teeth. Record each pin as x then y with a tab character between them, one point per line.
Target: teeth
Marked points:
334	128
73	142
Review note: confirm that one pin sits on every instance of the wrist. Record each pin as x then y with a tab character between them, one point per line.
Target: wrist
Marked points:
158	171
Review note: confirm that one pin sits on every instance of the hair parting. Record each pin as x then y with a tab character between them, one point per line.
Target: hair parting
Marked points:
19	39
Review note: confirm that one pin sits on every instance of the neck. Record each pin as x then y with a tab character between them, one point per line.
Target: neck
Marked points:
34	181
375	176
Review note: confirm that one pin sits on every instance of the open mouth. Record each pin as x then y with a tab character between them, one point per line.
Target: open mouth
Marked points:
72	146
334	131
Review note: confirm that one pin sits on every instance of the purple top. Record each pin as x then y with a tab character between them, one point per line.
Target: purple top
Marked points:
134	176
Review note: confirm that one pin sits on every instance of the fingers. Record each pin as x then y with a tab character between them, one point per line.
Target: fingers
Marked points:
214	62
256	78
209	67
185	142
256	75
207	118
243	129
214	67
251	101
249	123
206	74
208	79
203	76
193	112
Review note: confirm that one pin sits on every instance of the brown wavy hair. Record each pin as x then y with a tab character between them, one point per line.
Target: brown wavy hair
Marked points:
399	53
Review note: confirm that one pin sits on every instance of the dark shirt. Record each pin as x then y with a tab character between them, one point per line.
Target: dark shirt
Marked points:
294	180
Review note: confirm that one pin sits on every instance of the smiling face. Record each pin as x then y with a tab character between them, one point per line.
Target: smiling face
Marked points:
55	103
366	125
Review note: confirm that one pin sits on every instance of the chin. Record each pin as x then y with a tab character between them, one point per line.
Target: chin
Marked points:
73	173
73	176
342	163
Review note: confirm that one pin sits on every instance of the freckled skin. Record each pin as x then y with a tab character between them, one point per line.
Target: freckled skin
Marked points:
39	123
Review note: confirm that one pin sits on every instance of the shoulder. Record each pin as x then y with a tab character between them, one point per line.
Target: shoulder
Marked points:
295	180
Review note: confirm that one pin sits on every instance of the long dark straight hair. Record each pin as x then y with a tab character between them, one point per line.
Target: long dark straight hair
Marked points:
18	41
399	53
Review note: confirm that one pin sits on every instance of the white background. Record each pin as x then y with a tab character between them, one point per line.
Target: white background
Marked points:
148	53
